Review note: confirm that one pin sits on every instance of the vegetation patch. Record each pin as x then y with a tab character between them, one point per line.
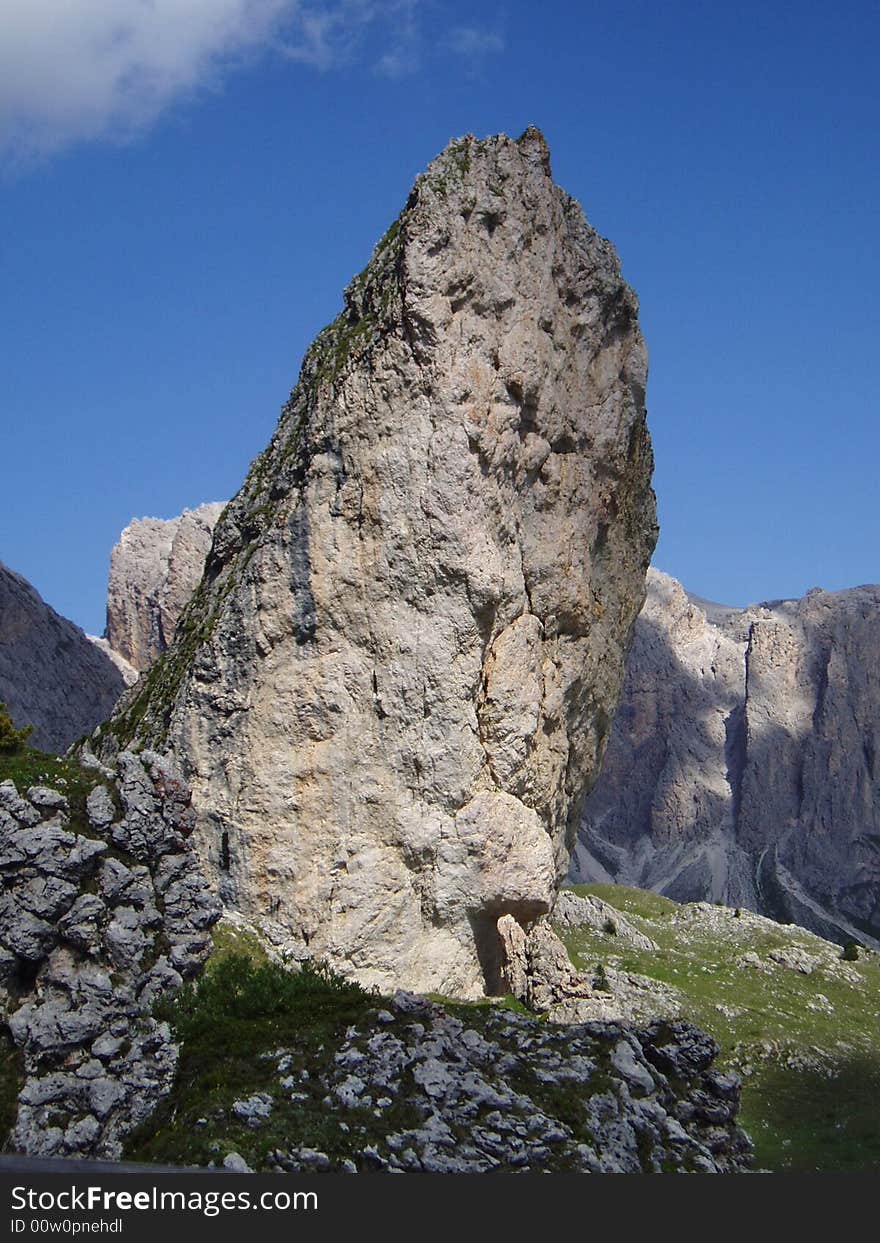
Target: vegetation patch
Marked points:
806	1040
11	1083
308	1070
12	740
234	1027
29	767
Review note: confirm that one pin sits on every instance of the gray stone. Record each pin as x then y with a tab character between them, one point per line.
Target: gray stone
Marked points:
47	897
93	1056
23	933
104	1094
100	807
125	938
573	911
81	1135
8	967
236	1164
46	799
253	1109
107	1046
18	807
82	924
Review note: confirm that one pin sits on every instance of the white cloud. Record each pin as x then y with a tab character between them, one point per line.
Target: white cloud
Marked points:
80	69
471	41
332	35
326	37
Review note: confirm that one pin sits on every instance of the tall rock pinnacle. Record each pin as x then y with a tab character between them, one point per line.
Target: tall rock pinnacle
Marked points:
392	688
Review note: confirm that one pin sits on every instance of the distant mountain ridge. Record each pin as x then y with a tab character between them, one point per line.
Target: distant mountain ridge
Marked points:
743	761
52	676
64	682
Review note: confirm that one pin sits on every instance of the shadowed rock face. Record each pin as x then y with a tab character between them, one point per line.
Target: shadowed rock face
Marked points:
51	675
393	685
742	765
154	569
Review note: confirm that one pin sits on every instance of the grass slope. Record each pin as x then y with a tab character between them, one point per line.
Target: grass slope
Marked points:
807	1045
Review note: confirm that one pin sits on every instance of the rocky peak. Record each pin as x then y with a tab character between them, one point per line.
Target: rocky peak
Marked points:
154	569
393	685
742	762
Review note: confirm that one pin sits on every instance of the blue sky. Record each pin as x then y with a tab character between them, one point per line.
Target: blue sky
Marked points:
184	194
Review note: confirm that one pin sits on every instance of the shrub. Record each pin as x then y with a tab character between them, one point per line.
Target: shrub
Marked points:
601	983
610	926
12	740
238	992
850	952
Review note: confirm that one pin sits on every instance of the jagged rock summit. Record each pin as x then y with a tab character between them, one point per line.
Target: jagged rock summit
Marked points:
154	568
742	765
393	685
51	675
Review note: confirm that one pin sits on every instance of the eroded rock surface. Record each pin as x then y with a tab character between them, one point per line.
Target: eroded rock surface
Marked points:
51	675
154	569
536	969
102	912
742	765
483	1095
394	684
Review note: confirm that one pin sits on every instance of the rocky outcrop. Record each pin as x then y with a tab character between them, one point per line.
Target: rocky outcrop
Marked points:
154	569
573	911
393	686
51	675
103	910
487	1096
129	674
742	765
536	969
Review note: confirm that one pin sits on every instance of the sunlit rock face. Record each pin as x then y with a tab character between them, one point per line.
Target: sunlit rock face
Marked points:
393	686
155	566
742	765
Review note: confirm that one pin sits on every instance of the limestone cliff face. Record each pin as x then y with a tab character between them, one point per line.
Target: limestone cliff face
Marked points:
742	765
393	685
154	569
51	675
